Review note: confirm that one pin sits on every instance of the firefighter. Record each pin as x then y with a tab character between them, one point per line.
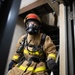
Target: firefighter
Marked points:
35	51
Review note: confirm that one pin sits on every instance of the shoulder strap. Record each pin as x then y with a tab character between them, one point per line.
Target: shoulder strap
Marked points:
19	50
43	39
41	45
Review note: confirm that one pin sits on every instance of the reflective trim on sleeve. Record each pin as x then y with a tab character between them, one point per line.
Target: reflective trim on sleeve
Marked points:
15	57
30	68
22	68
41	68
52	56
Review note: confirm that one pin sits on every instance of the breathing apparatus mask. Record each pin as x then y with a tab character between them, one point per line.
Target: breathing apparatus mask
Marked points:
32	27
32	23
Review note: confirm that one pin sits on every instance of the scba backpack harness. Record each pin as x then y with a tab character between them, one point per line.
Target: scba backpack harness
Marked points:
35	48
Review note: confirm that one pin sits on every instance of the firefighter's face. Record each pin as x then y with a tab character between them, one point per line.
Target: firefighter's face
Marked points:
32	27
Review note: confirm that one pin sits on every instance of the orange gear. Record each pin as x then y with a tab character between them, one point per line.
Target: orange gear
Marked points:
32	16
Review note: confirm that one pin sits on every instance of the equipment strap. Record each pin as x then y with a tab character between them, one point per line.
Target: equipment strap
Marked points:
43	39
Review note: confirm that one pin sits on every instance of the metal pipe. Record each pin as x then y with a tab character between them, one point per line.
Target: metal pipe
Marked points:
74	21
10	14
63	40
74	31
70	42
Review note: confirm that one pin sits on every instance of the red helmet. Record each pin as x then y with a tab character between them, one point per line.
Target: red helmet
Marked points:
31	16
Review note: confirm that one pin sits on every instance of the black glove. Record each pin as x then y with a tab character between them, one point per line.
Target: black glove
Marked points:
12	64
52	66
